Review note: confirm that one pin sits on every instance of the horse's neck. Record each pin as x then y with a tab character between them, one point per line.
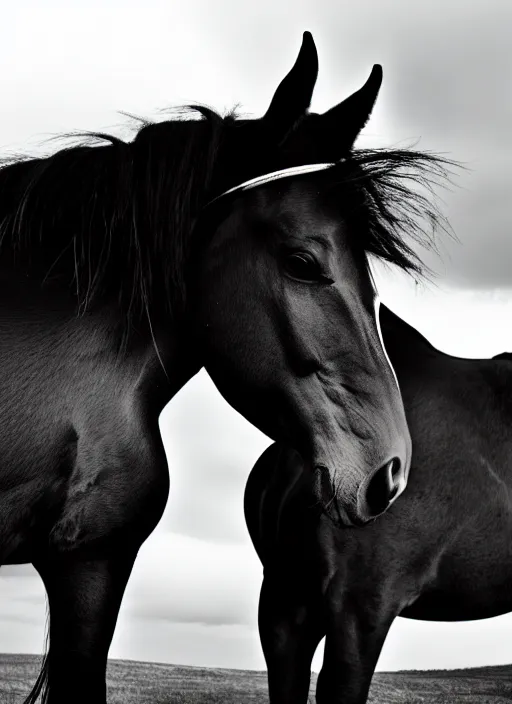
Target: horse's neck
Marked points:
404	344
170	361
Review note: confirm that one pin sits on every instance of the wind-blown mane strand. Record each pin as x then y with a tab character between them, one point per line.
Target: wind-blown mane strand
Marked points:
396	197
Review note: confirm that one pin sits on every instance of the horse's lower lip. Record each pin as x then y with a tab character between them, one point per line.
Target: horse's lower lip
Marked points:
339	516
327	499
361	522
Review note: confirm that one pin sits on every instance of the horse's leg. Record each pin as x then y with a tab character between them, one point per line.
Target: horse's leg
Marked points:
290	631
84	598
355	635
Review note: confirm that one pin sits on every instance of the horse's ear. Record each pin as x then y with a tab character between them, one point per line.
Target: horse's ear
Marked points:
337	129
293	95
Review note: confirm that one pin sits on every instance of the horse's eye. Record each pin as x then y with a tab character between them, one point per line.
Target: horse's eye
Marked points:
303	267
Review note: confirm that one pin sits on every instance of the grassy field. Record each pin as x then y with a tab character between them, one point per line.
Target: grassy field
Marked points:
150	683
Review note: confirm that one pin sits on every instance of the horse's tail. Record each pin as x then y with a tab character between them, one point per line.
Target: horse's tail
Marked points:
41	686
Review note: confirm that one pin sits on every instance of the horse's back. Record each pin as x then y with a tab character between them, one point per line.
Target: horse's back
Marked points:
460	418
455	516
504	356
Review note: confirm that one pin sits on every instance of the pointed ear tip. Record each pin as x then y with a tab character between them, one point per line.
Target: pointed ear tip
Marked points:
376	71
307	37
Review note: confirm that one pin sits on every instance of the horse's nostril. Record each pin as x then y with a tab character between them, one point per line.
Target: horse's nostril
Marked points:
395	468
383	487
393	493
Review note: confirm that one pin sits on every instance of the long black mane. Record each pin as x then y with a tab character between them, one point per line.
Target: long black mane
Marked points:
113	220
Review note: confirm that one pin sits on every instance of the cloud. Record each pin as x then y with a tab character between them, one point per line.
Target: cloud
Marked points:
13	571
183	580
22	598
187	644
211	450
465	323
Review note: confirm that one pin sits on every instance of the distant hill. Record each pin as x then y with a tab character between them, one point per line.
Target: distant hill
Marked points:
153	683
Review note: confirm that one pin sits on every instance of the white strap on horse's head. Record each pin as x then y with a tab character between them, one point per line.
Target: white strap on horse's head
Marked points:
274	176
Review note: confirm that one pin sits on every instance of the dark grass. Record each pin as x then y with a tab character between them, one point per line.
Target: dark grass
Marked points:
153	683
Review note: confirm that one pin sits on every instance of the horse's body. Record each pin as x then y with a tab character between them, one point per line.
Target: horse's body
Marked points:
84	475
126	268
442	553
97	413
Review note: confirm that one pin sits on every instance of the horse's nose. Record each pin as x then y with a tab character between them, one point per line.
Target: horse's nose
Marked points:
384	486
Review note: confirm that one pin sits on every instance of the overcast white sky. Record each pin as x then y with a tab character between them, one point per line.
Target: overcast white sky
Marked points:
447	64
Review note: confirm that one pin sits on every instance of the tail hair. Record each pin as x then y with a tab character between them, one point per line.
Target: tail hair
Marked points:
41	687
